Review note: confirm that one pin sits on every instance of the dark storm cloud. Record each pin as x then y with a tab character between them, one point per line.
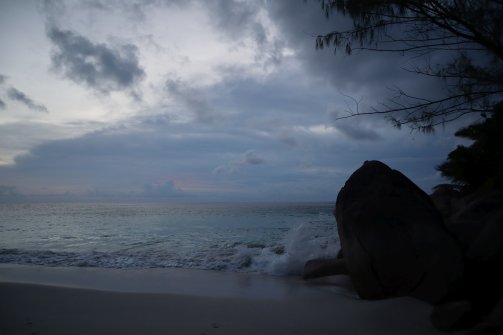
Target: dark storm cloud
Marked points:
370	75
17	95
356	129
126	161
126	156
249	158
252	158
192	99
282	101
229	15
3	79
135	10
357	132
101	67
239	20
363	73
144	158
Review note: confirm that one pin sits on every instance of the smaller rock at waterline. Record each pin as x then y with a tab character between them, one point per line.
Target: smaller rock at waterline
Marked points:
450	316
321	267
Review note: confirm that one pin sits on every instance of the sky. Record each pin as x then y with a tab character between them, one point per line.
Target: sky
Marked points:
222	100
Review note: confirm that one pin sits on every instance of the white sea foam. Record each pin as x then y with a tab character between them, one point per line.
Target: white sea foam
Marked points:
301	244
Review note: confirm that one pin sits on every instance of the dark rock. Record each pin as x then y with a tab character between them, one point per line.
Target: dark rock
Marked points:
321	267
340	254
243	261
393	237
484	259
470	220
256	245
478	227
498	179
446	199
451	316
496	317
493	323
488	247
485	329
278	250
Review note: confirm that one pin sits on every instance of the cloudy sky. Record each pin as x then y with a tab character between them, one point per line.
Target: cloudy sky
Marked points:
193	100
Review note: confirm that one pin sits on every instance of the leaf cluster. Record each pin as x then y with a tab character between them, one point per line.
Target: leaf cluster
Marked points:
469	32
479	165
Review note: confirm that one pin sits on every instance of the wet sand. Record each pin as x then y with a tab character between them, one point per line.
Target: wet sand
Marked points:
44	300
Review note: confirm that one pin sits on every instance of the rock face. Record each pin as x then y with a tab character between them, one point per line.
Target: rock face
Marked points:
476	221
393	237
452	316
446	199
484	258
477	211
321	267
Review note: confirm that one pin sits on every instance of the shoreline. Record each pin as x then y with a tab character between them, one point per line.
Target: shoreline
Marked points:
45	300
208	283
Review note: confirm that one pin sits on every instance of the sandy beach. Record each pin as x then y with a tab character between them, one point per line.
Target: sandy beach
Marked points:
49	300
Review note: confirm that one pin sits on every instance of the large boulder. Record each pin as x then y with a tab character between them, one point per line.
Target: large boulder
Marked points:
492	323
478	227
471	218
454	315
393	237
484	259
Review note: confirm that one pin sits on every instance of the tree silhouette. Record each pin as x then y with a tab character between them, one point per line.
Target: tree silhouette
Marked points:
478	166
470	32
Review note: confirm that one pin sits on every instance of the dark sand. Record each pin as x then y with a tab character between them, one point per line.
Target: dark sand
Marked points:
43	300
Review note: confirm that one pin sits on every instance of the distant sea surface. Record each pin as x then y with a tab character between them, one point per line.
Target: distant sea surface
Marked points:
273	238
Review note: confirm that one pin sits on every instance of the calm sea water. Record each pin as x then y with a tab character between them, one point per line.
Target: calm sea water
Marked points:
269	238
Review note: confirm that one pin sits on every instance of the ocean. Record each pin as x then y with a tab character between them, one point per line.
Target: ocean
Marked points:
271	238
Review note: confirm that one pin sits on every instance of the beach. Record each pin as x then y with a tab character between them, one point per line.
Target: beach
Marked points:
71	300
